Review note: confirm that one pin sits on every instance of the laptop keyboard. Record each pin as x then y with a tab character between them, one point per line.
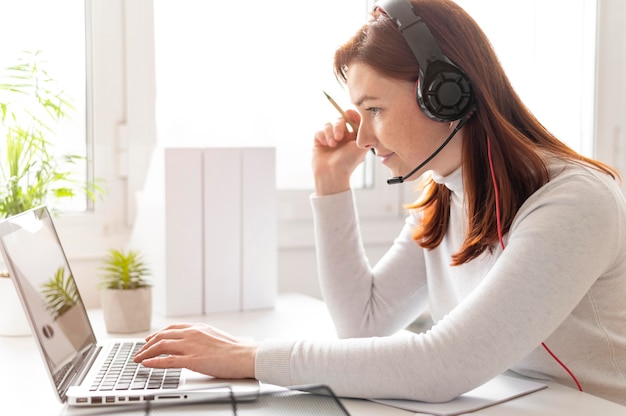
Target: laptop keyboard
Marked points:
120	372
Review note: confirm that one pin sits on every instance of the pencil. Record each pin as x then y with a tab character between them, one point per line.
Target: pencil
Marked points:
343	114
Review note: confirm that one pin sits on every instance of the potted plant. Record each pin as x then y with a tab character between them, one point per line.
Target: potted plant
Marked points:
60	296
126	294
32	173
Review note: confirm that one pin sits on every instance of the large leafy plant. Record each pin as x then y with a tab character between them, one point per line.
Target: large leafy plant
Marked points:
32	104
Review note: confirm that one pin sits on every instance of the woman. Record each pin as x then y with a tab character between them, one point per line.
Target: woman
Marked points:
516	243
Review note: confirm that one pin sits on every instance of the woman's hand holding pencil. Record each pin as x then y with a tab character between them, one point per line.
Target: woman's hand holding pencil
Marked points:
335	152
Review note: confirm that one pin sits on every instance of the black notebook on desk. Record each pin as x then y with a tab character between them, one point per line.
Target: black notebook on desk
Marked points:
83	371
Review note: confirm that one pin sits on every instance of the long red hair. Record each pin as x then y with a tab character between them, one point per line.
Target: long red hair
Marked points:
517	139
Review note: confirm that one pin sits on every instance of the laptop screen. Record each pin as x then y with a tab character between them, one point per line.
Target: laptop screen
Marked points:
39	268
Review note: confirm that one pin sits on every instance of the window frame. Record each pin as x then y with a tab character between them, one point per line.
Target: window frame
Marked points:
88	234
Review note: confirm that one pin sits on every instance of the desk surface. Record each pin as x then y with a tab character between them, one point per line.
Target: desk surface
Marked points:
295	316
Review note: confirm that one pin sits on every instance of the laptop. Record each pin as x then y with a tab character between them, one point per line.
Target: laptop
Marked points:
78	365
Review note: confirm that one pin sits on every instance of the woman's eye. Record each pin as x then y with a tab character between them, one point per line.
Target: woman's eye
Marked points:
374	110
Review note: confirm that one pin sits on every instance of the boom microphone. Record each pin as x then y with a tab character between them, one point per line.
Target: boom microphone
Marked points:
401	179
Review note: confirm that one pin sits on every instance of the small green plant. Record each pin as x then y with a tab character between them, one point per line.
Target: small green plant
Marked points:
32	104
60	293
124	270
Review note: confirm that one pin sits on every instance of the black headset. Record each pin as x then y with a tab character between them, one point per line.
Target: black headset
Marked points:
444	93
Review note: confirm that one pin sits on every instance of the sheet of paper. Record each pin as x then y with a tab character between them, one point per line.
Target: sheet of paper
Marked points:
497	390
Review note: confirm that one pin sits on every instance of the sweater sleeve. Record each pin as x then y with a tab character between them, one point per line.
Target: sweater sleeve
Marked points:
366	301
565	237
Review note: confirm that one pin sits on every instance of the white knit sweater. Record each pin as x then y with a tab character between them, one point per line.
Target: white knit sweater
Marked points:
561	279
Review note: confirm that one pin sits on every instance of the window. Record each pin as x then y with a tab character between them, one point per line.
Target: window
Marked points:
256	78
250	73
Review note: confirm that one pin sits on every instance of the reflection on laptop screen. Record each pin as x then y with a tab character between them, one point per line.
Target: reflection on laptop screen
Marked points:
40	270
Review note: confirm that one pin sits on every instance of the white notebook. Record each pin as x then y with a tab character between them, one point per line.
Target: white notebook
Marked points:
497	390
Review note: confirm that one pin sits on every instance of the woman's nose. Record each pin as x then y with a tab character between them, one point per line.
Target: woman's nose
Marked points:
364	138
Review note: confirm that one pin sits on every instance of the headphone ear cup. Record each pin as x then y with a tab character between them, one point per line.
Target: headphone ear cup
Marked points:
444	93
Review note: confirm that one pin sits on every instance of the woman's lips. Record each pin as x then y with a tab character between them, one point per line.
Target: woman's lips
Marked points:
385	157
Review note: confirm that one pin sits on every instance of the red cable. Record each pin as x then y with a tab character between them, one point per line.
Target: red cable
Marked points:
499	225
580	388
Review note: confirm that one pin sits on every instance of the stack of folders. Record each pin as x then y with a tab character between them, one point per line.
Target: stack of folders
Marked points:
206	221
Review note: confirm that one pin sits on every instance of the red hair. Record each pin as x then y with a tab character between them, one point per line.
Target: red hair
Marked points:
519	142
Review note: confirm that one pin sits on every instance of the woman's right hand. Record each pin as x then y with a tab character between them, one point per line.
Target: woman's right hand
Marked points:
336	155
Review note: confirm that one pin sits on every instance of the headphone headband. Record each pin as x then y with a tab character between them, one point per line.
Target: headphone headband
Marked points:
444	93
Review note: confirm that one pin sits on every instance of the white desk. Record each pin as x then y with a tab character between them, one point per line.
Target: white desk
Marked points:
295	316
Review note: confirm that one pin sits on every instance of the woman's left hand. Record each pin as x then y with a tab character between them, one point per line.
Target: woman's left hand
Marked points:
201	348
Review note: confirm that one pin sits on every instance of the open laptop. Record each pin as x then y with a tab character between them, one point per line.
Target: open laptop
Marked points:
78	365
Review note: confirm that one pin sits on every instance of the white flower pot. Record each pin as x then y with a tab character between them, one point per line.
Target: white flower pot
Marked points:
127	310
12	316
